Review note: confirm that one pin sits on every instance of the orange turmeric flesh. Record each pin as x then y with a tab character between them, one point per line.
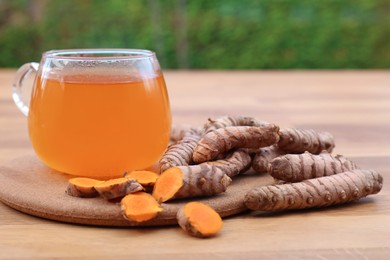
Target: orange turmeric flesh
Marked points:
82	187
168	184
199	220
145	178
84	182
139	207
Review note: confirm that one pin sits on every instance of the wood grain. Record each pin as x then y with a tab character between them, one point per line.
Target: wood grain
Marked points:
353	105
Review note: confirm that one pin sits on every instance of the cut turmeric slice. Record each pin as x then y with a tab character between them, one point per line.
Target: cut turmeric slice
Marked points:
139	207
82	187
199	220
116	188
168	184
145	178
190	181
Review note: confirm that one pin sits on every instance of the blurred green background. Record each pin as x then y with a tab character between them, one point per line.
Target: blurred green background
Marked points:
205	34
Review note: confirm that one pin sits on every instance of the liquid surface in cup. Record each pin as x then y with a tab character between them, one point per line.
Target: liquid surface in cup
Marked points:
99	126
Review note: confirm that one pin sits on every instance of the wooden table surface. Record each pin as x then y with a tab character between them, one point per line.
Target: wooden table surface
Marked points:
353	105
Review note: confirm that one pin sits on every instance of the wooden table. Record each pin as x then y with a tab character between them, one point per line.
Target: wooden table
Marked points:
353	105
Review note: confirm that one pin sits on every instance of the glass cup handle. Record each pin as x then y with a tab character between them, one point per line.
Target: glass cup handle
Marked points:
17	87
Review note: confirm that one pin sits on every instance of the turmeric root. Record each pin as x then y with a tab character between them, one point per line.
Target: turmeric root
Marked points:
119	187
321	192
264	156
180	153
237	162
227	138
82	187
225	121
190	181
179	131
139	207
145	178
199	220
298	167
298	141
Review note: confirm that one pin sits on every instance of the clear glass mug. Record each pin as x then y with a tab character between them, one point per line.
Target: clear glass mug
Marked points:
96	112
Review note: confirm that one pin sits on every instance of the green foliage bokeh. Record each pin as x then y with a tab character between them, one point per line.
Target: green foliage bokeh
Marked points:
207	34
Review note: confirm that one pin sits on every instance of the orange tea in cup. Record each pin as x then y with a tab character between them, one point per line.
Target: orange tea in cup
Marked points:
99	113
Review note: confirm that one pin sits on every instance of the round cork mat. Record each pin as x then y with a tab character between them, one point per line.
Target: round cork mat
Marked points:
27	185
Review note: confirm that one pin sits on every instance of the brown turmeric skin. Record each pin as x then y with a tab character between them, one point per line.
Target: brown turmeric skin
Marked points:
226	121
320	192
180	153
298	167
237	162
190	181
179	131
298	141
233	137
116	188
264	156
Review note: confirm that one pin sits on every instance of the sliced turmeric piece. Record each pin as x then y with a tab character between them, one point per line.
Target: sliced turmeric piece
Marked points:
190	181
145	178
168	184
139	207
116	188
199	220
82	187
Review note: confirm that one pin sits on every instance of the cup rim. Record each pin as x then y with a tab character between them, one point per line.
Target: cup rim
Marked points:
101	54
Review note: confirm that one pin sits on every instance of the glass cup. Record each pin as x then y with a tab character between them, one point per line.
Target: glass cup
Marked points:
96	112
